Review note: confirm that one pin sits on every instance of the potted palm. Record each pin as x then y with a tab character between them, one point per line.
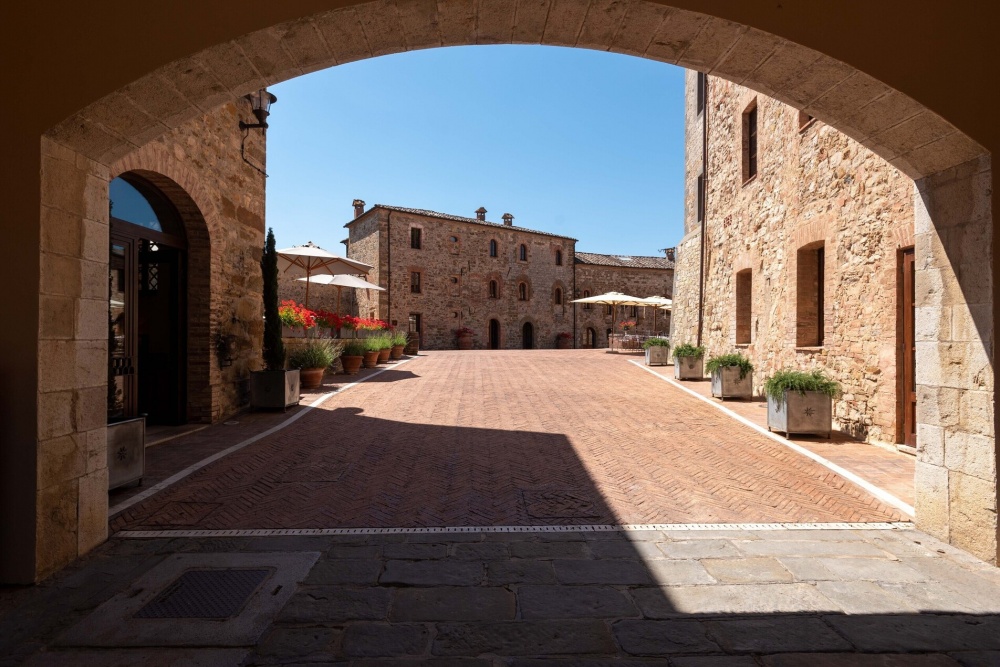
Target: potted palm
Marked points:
800	402
689	362
312	360
273	387
353	356
398	344
731	376
657	351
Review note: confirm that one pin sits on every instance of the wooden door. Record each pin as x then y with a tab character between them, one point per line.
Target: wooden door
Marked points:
907	350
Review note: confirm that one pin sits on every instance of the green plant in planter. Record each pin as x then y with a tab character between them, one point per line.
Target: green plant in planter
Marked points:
686	350
800	381
399	338
724	360
354	348
274	349
315	354
655	342
373	343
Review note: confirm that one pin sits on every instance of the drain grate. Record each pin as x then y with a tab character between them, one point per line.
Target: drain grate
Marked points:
206	594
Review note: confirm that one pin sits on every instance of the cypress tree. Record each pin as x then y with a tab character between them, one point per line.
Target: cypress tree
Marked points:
274	348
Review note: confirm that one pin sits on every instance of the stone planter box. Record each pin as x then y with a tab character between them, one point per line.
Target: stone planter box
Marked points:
726	383
689	368
292	332
274	389
657	355
809	413
126	453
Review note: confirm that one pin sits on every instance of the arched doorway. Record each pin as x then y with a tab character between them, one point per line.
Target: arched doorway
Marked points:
591	338
494	334
528	336
146	305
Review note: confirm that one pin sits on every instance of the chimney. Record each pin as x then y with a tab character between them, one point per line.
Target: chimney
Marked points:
671	253
359	207
480	213
508	219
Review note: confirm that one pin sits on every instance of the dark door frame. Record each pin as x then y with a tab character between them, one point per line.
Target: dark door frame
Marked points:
906	393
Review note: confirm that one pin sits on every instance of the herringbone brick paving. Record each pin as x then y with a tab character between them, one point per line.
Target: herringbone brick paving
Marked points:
508	438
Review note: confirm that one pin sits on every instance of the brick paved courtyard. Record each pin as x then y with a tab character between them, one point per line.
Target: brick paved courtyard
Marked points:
508	438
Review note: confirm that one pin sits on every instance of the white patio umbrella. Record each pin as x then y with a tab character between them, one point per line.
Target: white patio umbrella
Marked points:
613	299
340	281
310	260
658	303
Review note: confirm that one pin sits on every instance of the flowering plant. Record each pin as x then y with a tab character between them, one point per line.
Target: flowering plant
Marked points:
626	324
370	324
328	320
564	334
296	315
464	331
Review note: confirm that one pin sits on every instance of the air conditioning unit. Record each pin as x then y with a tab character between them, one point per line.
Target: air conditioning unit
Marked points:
126	453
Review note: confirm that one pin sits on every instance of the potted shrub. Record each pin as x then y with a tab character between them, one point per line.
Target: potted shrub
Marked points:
731	376
352	357
372	347
564	340
312	360
385	347
398	345
800	402
464	337
657	351
689	362
273	387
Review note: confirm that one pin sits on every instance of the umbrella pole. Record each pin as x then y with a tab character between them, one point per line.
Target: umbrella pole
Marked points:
338	299
614	313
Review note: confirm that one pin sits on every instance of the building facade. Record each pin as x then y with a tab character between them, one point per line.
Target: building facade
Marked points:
798	252
511	285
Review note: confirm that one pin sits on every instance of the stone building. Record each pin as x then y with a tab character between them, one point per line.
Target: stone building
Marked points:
804	241
511	285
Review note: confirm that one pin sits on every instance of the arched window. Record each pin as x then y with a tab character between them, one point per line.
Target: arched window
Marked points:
586	295
558	296
493	248
558	257
522	253
494	289
522	291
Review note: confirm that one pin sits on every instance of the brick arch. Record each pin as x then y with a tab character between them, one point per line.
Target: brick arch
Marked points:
901	130
191	201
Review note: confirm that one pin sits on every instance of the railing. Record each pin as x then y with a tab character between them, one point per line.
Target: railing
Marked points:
629	342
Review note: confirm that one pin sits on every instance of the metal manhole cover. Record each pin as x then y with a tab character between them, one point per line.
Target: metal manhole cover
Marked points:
206	594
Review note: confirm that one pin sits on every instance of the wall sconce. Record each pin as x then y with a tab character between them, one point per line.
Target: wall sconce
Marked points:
260	102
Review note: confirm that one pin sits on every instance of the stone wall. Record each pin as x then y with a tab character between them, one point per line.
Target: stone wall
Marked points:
814	187
221	200
598	279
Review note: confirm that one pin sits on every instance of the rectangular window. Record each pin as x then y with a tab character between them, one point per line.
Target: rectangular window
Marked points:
750	142
809	305
701	197
415	238
744	309
702	89
415	282
414	323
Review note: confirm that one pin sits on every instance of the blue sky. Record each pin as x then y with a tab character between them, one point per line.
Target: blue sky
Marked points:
574	142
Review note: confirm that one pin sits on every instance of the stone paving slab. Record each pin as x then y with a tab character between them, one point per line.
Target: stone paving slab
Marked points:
537	446
638	608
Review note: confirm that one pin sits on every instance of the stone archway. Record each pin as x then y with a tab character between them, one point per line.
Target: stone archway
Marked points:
956	497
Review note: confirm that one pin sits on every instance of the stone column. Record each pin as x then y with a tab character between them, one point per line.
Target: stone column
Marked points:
72	476
956	489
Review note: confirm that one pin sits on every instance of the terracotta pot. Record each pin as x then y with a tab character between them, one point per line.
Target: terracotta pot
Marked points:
397	351
564	343
351	364
371	359
465	341
310	378
383	355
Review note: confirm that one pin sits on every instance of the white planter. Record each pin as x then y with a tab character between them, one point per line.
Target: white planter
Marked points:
274	389
726	383
657	355
689	368
126	453
809	413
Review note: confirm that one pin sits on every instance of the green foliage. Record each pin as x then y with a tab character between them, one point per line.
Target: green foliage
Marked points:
800	381
726	360
377	343
314	354
655	342
688	350
354	348
399	338
384	340
274	348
